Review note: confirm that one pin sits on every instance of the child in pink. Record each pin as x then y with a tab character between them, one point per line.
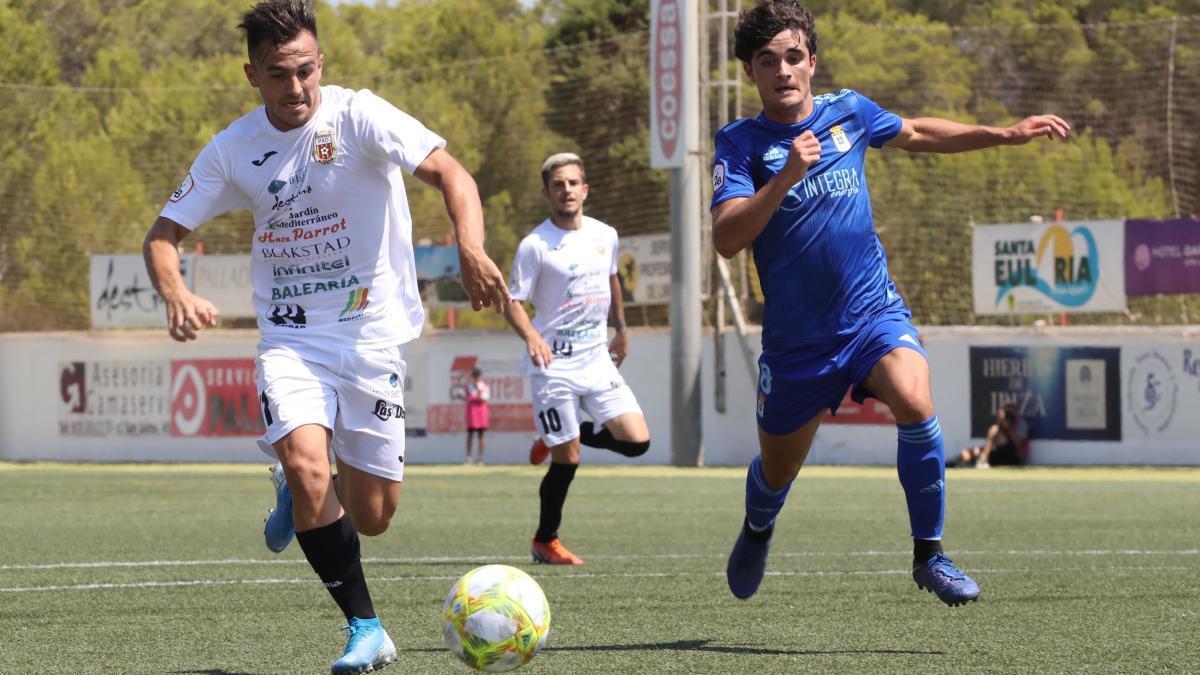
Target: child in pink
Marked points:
477	412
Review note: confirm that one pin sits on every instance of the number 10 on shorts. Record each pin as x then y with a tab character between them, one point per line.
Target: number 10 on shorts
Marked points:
551	423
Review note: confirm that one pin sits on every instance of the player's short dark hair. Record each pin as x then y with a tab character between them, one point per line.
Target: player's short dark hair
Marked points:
760	24
561	159
271	23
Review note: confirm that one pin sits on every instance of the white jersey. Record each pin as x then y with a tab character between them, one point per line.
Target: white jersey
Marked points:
332	252
565	274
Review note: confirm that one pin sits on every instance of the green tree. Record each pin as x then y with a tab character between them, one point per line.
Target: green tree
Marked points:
598	100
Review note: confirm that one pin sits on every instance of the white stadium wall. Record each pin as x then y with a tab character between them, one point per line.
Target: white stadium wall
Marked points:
1097	396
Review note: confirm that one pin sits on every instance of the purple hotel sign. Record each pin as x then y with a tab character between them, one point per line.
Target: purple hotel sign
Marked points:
1162	256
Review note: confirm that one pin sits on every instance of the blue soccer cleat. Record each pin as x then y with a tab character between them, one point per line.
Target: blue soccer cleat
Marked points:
939	576
279	528
367	649
747	563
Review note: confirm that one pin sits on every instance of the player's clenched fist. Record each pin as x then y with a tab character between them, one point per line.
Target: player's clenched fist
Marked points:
806	151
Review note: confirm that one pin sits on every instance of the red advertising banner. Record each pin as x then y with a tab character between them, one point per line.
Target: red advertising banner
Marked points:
446	418
667	56
508	410
215	397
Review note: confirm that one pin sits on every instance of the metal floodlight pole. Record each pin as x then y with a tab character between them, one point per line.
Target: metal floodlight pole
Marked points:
675	145
686	314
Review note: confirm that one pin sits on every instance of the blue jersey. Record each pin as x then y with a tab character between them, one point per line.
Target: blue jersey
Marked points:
821	267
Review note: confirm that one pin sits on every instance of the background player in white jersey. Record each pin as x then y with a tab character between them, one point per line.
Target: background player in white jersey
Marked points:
567	268
335	291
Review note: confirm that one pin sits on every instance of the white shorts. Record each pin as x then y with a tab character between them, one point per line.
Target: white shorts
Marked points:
594	386
356	394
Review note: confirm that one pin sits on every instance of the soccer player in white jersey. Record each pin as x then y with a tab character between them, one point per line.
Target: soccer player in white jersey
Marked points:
335	291
567	268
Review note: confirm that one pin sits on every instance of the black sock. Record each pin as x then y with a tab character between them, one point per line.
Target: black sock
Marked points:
604	439
924	549
553	493
764	535
333	553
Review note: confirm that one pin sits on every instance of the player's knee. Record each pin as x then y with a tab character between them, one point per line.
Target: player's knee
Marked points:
634	448
912	409
373	525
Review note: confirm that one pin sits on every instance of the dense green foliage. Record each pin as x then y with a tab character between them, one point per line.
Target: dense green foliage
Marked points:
104	104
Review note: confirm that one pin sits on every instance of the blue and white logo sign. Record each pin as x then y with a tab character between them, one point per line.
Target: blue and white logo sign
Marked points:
1059	267
1153	393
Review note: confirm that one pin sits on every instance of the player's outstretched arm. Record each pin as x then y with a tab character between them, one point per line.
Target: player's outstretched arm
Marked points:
539	351
619	347
934	134
481	278
187	312
737	222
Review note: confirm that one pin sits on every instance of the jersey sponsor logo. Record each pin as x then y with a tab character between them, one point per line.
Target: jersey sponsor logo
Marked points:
287	316
718	176
355	304
285	203
773	154
298	177
305	218
301	233
840	139
317	250
325	268
267	155
588	329
908	338
312	287
276	186
386	411
184	188
835	184
563	349
324	149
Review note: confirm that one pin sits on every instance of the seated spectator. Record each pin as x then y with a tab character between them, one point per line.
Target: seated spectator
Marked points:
1007	443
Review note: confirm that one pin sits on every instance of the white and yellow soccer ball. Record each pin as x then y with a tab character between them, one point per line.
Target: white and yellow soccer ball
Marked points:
496	618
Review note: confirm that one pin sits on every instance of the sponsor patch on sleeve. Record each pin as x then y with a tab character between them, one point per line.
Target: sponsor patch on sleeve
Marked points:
718	176
184	188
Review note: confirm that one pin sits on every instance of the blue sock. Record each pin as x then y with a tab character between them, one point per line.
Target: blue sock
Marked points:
762	503
921	463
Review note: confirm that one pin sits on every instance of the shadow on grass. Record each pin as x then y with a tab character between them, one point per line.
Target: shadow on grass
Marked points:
704	646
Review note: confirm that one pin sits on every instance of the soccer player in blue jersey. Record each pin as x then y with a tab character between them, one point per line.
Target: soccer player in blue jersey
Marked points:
791	184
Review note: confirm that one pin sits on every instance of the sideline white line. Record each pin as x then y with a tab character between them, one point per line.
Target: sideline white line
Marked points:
433	560
575	575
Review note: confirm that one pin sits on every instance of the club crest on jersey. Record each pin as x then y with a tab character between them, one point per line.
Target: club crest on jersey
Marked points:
324	150
840	139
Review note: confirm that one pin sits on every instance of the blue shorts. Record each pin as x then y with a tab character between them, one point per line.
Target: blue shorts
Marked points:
796	385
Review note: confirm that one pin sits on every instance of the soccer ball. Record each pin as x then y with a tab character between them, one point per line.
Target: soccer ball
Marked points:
496	618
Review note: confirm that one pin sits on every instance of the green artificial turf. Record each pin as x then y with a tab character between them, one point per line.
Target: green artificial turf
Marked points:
161	569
